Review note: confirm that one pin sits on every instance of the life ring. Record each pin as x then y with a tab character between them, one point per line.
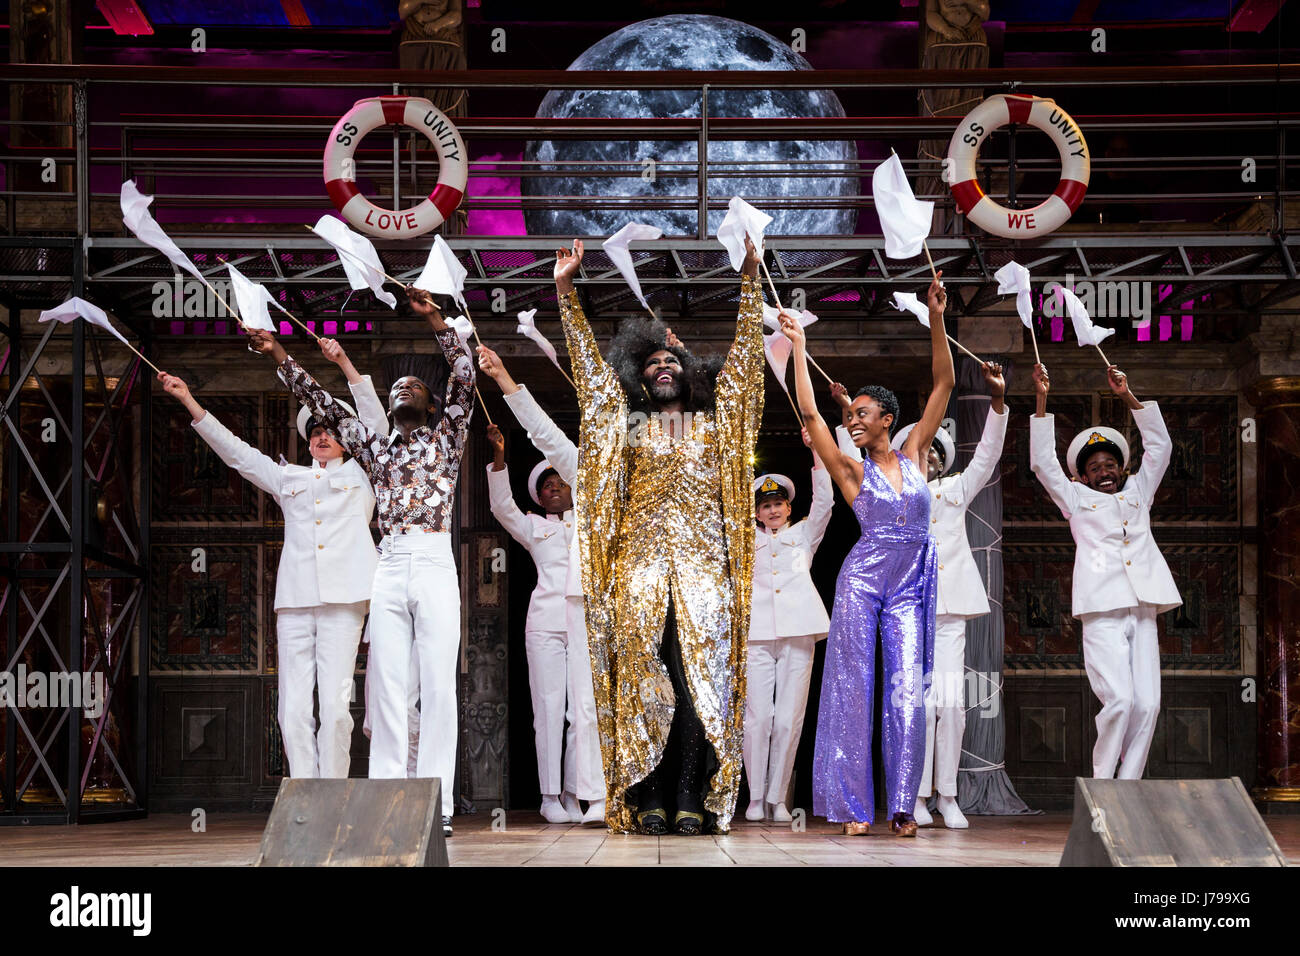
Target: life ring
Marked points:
340	166
1052	213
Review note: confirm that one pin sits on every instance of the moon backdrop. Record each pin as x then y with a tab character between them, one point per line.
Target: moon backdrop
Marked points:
689	42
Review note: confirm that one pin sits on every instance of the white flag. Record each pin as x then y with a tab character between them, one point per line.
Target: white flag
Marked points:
616	248
772	317
1087	333
1013	277
252	300
357	254
74	307
135	213
742	218
904	219
908	302
528	328
777	348
443	273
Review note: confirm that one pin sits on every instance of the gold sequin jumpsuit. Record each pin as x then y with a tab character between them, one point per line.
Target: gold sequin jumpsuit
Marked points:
660	519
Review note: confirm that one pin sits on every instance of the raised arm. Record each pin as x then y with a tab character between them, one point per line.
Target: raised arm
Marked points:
595	380
745	358
555	446
846	473
1042	450
942	376
252	464
989	450
1157	447
369	409
353	433
500	500
823	499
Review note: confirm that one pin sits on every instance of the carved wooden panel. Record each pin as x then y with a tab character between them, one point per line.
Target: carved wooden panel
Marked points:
204	620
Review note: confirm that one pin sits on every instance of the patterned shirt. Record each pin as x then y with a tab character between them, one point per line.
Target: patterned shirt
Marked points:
414	478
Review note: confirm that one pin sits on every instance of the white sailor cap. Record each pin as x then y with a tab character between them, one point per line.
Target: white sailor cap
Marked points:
947	449
765	485
305	416
1097	438
534	476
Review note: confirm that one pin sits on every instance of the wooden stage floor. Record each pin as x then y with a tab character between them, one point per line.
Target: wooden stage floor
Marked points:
527	840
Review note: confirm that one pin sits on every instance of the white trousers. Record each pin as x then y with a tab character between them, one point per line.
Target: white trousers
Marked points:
317	647
1122	657
548	682
776	675
416	602
412	713
584	771
945	707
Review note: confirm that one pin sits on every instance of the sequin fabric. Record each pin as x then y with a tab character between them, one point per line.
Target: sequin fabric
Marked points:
659	517
414	479
885	595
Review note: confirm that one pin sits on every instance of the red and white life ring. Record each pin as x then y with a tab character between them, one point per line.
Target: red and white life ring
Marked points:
340	166
1052	213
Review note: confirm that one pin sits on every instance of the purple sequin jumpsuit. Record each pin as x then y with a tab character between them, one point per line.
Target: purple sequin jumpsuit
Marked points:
885	594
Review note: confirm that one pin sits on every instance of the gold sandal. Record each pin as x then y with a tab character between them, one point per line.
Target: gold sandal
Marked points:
856	828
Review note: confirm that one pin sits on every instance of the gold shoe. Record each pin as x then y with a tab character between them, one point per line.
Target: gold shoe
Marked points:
856	828
905	827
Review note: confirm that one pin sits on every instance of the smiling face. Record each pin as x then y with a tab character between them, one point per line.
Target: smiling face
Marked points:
662	375
1101	472
409	396
555	494
867	421
773	512
323	446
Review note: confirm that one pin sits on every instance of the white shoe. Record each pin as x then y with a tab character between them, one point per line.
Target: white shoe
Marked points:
780	814
595	815
552	811
570	804
755	812
953	818
921	813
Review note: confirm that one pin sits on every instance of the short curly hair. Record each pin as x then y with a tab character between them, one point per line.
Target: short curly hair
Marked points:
636	340
883	397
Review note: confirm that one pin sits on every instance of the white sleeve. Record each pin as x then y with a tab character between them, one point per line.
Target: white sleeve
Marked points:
846	443
241	456
502	505
819	512
1043	461
1157	447
546	436
987	453
369	409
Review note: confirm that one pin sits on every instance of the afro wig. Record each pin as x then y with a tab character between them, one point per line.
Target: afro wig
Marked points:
636	340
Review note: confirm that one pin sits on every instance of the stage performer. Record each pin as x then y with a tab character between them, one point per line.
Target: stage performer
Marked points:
961	596
885	593
326	566
666	534
416	598
555	634
786	621
1121	580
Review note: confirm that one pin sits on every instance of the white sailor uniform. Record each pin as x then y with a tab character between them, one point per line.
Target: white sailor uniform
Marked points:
787	619
1121	582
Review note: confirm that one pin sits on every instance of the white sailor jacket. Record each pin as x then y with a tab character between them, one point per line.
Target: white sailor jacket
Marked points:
1116	562
961	591
785	602
328	556
548	539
